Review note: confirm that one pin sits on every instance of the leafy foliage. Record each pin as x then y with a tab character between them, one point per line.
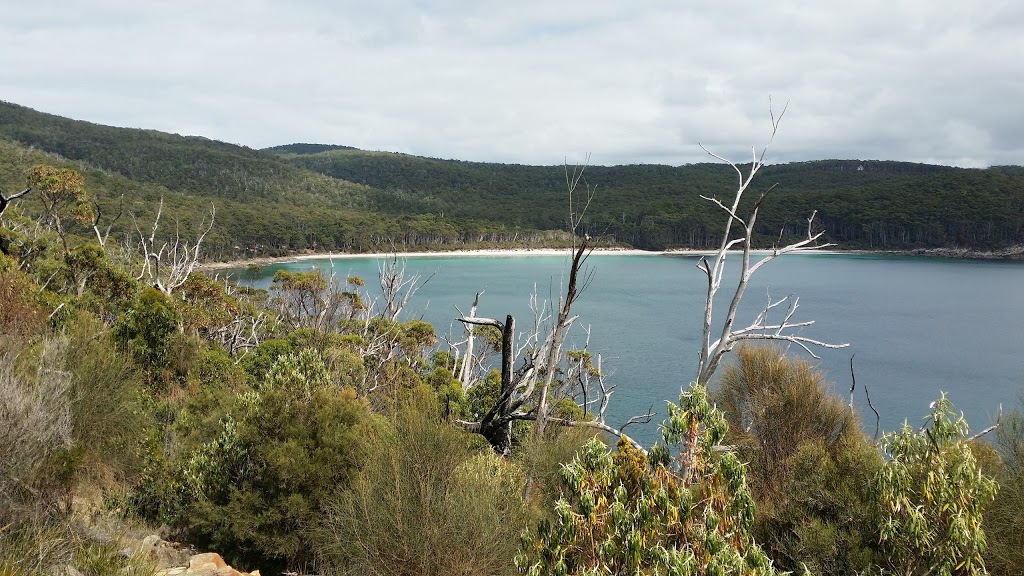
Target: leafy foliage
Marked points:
932	495
809	465
688	514
427	503
279	457
1004	519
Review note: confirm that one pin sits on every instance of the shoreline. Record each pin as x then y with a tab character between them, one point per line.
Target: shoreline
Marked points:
1014	253
477	253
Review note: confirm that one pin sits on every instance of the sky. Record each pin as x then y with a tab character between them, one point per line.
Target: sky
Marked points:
936	81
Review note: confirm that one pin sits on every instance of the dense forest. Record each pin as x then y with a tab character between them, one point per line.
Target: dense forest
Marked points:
329	197
861	204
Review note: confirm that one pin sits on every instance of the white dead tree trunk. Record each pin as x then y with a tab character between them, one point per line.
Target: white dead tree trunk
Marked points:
712	351
102	237
397	286
465	376
168	266
525	393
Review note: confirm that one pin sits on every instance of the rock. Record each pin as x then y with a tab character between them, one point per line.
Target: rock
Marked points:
165	554
207	561
149	543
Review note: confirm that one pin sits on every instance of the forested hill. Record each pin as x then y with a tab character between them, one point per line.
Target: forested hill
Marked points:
265	205
332	197
862	204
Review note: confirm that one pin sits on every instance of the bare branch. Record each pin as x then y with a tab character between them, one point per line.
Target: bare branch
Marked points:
169	266
97	215
878	419
5	201
481	322
999	420
712	351
853	383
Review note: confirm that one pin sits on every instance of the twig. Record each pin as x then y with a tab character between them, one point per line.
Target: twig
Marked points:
878	418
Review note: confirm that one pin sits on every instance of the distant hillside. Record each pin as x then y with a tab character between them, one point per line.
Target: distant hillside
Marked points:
184	163
329	197
265	204
862	204
301	148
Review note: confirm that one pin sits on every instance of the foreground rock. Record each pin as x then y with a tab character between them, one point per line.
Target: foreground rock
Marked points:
175	559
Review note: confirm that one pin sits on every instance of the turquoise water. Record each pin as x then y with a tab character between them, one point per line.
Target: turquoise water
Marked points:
917	326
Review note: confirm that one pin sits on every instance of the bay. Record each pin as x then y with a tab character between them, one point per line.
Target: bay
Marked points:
917	326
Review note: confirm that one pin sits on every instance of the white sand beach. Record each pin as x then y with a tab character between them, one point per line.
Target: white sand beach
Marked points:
482	253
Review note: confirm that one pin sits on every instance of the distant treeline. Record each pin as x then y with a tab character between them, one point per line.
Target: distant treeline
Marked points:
328	197
860	204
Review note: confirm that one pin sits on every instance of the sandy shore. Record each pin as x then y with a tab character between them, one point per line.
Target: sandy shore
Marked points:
497	253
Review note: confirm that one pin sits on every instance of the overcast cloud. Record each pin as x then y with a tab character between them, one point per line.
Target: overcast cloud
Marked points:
533	82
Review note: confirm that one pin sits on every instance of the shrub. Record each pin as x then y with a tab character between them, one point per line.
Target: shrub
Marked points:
773	404
425	504
1004	519
35	427
34	549
21	314
106	403
146	327
687	514
810	467
252	492
932	494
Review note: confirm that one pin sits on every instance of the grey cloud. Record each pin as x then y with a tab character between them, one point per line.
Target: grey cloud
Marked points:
538	81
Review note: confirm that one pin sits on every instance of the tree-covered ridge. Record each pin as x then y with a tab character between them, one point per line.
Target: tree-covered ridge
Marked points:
861	204
189	164
328	197
305	148
247	226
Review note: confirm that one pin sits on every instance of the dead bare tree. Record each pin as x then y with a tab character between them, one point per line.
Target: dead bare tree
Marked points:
761	328
97	215
525	392
397	287
168	265
469	359
5	201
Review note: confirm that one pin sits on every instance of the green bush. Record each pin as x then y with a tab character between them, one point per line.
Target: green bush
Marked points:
34	549
145	329
1004	519
425	504
35	431
687	511
106	403
932	494
809	466
281	453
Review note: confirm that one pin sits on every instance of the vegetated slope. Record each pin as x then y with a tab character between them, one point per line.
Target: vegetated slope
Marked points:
864	204
265	205
328	197
189	164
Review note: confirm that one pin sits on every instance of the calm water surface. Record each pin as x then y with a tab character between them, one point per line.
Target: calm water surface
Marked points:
917	326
